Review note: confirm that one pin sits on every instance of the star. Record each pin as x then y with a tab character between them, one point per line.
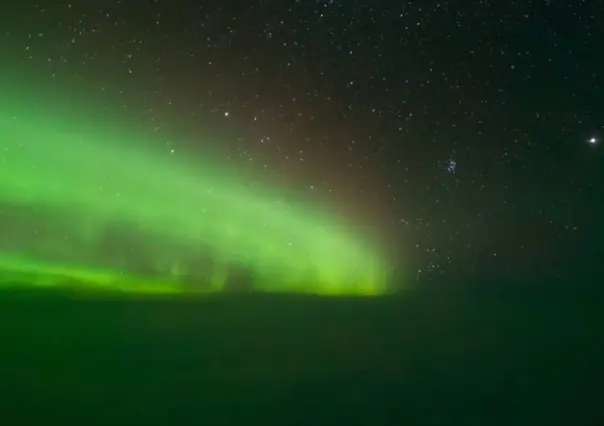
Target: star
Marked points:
451	165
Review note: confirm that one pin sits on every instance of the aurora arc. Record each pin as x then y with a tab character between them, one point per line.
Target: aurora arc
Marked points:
67	182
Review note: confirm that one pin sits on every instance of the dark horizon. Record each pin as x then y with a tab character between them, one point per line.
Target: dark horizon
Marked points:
494	355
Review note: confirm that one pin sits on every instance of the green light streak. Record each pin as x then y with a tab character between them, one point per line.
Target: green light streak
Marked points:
67	182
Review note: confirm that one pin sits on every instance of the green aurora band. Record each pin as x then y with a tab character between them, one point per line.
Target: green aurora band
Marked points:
90	203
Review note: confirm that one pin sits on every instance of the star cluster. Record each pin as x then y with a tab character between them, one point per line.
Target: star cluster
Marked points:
455	132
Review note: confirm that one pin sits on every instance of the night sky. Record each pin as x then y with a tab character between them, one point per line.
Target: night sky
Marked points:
465	136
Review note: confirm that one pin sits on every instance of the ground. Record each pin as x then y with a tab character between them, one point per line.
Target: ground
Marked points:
426	357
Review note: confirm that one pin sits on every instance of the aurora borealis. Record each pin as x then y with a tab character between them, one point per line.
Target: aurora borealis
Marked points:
481	162
290	212
92	201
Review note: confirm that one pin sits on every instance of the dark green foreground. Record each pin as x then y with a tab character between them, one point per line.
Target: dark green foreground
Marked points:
488	357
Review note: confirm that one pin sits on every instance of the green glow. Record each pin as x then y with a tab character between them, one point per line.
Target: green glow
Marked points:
67	181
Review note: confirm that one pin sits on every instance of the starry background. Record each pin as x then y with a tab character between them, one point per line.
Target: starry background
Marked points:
466	135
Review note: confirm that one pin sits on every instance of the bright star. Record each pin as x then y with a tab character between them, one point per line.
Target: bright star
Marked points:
593	141
451	165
